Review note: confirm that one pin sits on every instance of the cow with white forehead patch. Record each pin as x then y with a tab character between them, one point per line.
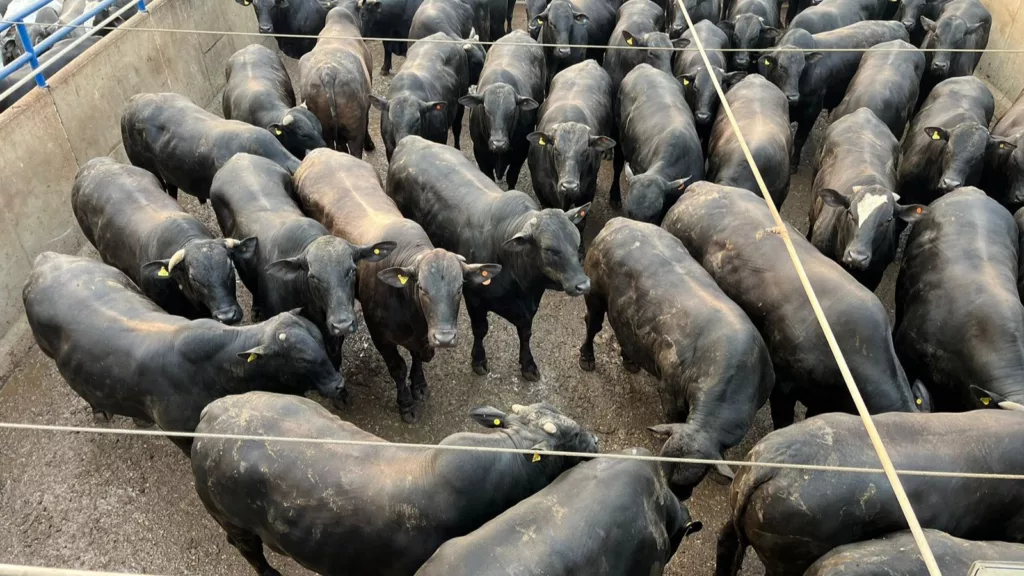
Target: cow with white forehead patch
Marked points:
852	216
137	228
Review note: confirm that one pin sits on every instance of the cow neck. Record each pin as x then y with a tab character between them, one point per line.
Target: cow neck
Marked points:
522	264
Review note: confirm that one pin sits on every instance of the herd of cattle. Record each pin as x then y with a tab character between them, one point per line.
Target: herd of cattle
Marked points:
695	283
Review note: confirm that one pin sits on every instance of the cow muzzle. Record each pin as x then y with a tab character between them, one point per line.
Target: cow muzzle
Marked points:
948	184
443	338
940	67
856	259
578	288
562	51
266	29
498	145
336	391
341	327
702	117
228	316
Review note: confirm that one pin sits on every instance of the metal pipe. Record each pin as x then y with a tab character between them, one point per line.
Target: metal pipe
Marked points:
142	6
70	27
26	42
21	15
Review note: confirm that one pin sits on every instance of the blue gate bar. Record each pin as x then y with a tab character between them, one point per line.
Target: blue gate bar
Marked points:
31	51
69	28
21	15
142	5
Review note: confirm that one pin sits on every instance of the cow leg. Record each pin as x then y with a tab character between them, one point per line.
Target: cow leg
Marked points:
460	111
486	162
615	194
783	406
594	320
420	391
628	363
805	123
515	167
730	551
251	548
527	365
478	319
385	68
142	423
368	144
100	416
172	191
397	368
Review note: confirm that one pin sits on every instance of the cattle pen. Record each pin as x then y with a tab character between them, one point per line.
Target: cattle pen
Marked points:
81	496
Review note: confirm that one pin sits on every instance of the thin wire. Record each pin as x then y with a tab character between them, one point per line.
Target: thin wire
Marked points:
869	425
494	449
780	49
15	570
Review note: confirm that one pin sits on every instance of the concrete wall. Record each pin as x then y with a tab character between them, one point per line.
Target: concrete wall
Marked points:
1004	72
48	134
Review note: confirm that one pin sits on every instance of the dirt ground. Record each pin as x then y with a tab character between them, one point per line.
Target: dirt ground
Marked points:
113	503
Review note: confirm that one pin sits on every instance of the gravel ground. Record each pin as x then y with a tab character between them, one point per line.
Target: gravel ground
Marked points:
104	502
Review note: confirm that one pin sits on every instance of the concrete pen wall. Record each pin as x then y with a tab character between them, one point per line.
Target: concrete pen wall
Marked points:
1004	72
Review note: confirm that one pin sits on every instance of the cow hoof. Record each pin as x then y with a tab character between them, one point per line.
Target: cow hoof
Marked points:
384	72
341	402
409	416
140	423
101	416
587	364
368	145
531	374
421	393
480	368
794	167
630	366
615	204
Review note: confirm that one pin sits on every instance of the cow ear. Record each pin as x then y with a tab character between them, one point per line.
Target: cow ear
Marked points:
287	269
276	129
688	79
471	100
519	242
375	252
539	19
770	34
1001	145
157	270
379	102
936	133
986	398
814	57
542	446
630	39
526	103
488	416
243	251
973	28
576	215
679	185
928	24
833	198
728	27
601	143
581	18
397	277
922	398
911	212
480	274
539	138
731	79
680	42
436	106
253	354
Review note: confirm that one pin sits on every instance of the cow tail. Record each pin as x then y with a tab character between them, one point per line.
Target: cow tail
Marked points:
732	545
327	79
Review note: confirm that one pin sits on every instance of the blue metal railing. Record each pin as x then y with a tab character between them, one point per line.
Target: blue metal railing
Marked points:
32	52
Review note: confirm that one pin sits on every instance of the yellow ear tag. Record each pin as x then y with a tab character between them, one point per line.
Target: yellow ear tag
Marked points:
277	131
767	62
403	279
986	400
935	136
629	41
252	358
1002	146
497	422
541	142
540	20
376	250
686	82
163	273
919	401
536	458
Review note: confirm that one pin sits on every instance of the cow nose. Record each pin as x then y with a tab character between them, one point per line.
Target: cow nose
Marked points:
702	117
498	145
580	288
444	338
856	259
342	327
741	62
909	24
563	51
568	186
676	31
266	29
228	316
940	67
948	184
793	98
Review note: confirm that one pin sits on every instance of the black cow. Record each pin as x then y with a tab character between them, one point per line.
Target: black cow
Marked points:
797	6
699	10
638	26
658	138
670	318
792	517
963	251
125	213
423	99
1003	176
909	14
498	12
962	25
51	54
184	145
124	355
887	83
752	26
573	129
815	81
731	233
454	18
689	67
1018	217
336	82
347	517
576	23
897	553
762	114
503	109
465	212
388	19
948	140
834	14
304	17
258	91
853	206
299	263
417	304
533	9
626	501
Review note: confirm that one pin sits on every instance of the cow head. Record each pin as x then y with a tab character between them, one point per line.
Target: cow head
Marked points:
552	241
909	12
1007	160
659	49
299	131
573	151
867	228
406	115
748	33
265	10
371	13
688	441
785	67
647	194
10	47
204	270
540	427
291	353
475	57
947	34
436	277
534	9
987	399
561	24
326	271
676	24
963	150
701	94
500	105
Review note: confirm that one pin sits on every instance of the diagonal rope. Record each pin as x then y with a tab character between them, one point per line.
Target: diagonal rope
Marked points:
869	425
